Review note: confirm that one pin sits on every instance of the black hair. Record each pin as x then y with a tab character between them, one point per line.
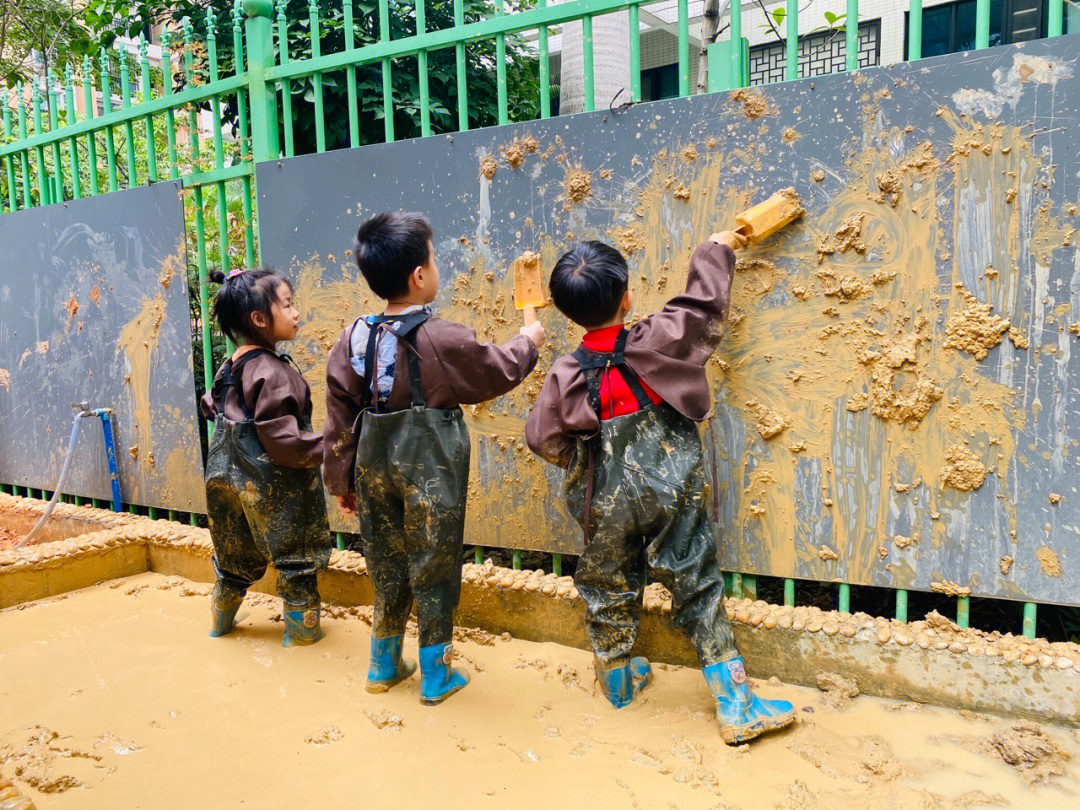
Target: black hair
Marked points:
243	294
588	283
389	247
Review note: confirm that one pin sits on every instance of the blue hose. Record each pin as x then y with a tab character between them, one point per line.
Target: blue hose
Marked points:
110	455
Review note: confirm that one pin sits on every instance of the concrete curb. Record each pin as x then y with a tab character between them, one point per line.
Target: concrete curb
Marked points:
930	661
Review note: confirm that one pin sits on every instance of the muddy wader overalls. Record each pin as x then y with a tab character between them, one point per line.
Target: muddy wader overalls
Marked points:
412	480
638	490
260	511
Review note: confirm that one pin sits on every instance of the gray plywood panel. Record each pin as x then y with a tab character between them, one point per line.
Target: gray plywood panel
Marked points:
94	307
919	445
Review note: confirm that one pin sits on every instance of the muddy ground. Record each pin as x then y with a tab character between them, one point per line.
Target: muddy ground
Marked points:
114	696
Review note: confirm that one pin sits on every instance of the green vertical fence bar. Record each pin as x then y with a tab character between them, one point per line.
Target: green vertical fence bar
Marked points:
963	611
500	69
736	585
789	592
174	515
516	563
129	129
851	36
219	149
982	24
170	114
350	75
914	30
24	155
245	135
545	67
317	79
286	85
462	84
91	137
110	141
634	15
791	67
148	95
151	512
684	47
556	564
1029	620
901	605
9	161
844	598
422	68
73	143
387	79
339	537
587	58
749	584
478	555
735	13
1055	18
54	125
39	151
262	98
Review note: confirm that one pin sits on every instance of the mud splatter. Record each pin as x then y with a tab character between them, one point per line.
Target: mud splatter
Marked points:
630	238
949	588
1005	564
513	153
963	470
1026	747
72	306
974	329
95	294
5	379
1048	561
770	422
689	153
488	167
849	236
577	186
138	340
791	135
753	104
817	175
530	144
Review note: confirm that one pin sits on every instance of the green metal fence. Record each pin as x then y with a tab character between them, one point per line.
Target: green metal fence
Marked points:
51	154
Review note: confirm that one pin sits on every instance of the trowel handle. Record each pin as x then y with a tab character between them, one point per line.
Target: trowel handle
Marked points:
529	314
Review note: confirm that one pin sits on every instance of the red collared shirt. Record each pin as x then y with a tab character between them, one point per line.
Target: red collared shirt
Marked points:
616	398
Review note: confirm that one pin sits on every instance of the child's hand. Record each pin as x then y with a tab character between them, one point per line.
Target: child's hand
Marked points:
733	240
347	504
533	329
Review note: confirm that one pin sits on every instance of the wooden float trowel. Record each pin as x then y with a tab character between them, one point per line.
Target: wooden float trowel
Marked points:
766	218
528	287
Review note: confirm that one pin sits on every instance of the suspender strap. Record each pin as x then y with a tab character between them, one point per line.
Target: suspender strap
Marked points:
230	378
406	333
594	364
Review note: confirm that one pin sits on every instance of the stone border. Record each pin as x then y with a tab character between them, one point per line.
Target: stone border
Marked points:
931	661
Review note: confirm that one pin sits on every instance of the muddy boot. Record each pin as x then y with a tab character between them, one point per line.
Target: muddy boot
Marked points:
621	684
742	714
223	607
301	627
438	680
386	668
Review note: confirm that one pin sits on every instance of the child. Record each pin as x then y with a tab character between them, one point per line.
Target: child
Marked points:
264	497
394	386
619	415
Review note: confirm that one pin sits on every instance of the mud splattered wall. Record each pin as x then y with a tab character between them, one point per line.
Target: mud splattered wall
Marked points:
895	395
94	307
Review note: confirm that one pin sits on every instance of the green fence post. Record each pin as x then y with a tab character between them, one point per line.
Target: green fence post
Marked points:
901	605
478	555
556	564
789	592
387	78
982	24
963	611
516	562
587	61
736	585
914	48
340	536
749	584
1029	620
684	48
792	69
260	55
844	601
851	36
9	161
634	14
1055	18
736	41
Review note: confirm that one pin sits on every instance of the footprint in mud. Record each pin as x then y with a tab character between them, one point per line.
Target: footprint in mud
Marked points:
461	745
260	651
385	720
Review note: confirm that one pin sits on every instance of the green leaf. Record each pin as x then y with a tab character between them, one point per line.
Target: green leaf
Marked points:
779	14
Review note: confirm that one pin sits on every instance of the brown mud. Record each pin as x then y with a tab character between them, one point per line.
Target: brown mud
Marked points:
83	732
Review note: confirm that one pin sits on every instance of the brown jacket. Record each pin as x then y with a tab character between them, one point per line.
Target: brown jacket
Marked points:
456	369
668	350
279	400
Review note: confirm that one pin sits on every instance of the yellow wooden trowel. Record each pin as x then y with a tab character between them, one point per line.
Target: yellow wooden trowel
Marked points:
528	286
766	218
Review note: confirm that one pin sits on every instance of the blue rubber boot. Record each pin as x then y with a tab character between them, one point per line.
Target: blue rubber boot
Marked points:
301	627
223	607
438	680
622	684
742	714
386	668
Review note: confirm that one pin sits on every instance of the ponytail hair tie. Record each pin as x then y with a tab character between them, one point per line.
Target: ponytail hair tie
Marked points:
234	273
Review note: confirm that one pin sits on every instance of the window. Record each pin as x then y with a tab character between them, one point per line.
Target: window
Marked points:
819	54
950	28
659	82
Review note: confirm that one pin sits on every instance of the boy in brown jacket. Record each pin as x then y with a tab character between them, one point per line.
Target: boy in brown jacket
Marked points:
619	415
395	384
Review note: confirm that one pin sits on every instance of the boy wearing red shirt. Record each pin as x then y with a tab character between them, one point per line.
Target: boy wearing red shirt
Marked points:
619	415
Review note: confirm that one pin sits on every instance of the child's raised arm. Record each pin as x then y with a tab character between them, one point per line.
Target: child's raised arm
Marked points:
478	371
